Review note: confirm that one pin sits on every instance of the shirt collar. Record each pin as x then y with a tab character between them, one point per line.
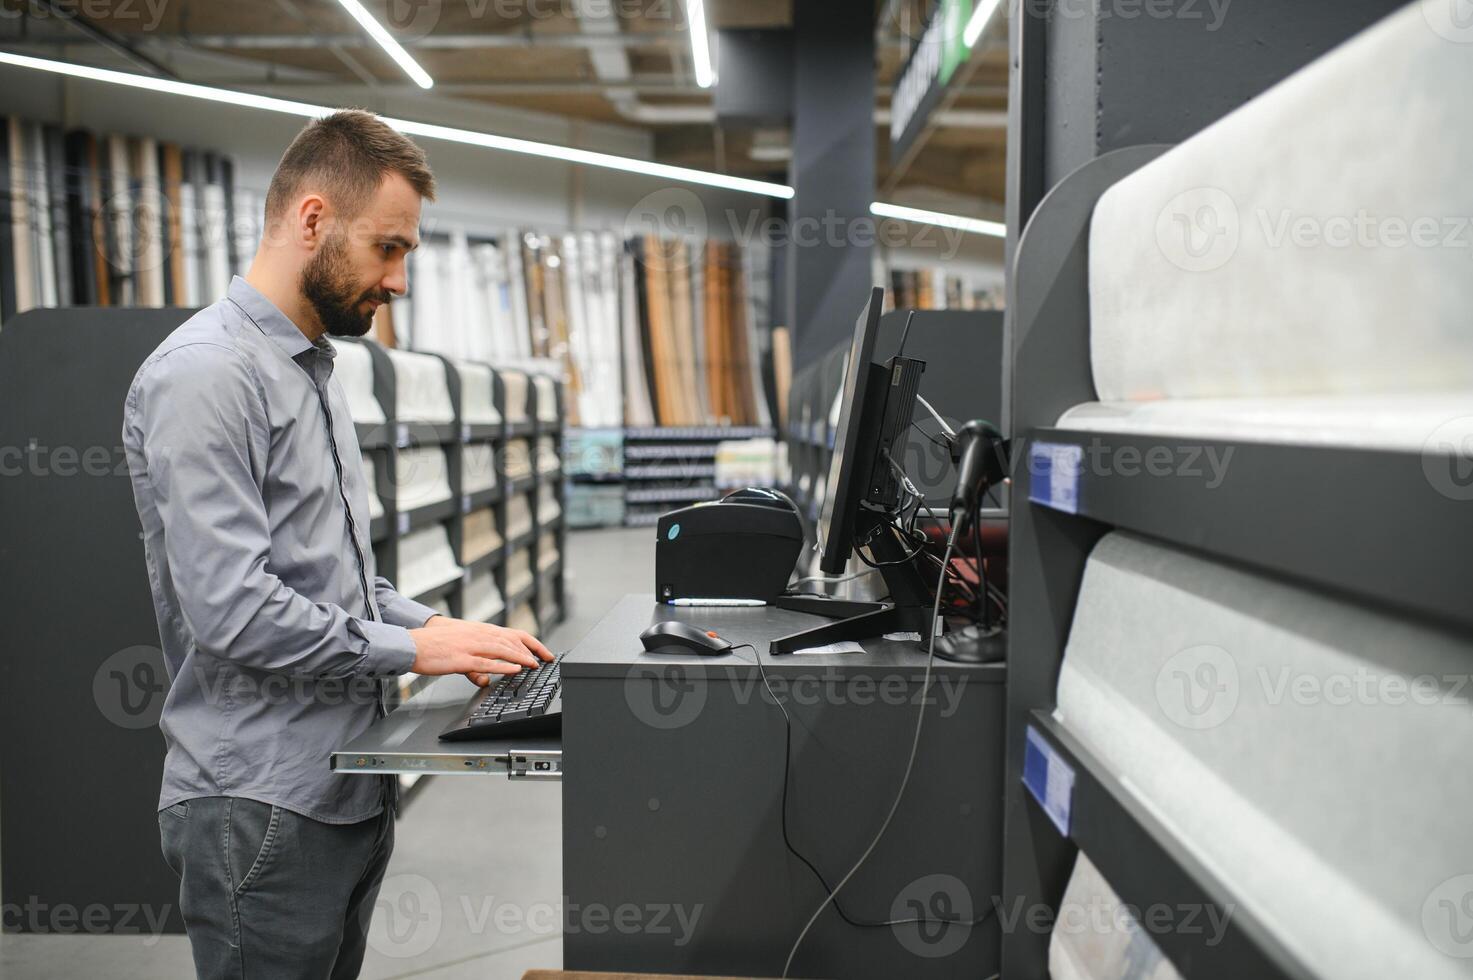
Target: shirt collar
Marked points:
270	320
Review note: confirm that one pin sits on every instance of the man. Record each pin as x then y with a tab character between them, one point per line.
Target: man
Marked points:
245	470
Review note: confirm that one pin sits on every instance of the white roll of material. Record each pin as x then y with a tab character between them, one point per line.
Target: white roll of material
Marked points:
1316	243
422	388
1311	752
353	367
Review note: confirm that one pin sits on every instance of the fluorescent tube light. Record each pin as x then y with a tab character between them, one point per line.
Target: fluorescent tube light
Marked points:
491	141
976	226
386	41
978	21
700	42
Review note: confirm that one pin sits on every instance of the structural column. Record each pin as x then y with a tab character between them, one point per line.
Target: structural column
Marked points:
832	170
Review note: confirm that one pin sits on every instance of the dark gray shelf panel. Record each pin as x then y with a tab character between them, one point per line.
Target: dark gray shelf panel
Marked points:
1317	514
491	559
1148	867
418	517
479	499
410	434
481	433
439	591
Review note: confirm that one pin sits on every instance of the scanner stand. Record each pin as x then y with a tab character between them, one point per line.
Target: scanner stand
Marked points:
908	610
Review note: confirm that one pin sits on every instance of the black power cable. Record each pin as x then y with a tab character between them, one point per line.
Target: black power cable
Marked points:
833	893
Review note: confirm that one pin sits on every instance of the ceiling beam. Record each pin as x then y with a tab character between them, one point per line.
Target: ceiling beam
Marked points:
101	35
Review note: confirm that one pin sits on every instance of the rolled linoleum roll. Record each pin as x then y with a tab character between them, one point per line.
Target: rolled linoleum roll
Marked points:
1315	241
1310	751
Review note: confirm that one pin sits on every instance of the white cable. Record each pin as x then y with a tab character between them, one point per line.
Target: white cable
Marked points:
909	765
838	580
946	429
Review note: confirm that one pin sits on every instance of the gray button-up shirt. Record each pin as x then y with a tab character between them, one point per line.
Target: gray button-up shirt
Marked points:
275	628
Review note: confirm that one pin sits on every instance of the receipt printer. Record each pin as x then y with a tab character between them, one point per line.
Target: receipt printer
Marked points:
743	546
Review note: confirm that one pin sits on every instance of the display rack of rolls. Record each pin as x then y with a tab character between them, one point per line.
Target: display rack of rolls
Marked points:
464	468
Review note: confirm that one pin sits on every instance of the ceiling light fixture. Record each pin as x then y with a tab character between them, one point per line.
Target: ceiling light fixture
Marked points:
700	43
590	158
491	141
977	23
976	226
386	41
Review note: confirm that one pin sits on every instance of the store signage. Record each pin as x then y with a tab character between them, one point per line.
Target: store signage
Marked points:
925	77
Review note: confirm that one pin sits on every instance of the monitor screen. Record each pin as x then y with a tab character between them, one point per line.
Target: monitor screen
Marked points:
836	522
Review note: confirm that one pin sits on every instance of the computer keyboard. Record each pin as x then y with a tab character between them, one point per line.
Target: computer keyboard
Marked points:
526	703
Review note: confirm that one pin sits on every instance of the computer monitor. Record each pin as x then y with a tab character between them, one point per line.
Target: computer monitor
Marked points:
836	520
861	505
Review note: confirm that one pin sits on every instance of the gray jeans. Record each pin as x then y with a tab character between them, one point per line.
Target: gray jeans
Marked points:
267	893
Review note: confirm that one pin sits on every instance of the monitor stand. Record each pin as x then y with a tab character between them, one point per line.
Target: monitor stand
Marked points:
908	610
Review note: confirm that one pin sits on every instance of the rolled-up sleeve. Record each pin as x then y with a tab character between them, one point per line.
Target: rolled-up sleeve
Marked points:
399	609
197	422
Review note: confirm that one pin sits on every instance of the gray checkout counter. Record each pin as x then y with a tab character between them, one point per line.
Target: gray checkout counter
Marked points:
673	796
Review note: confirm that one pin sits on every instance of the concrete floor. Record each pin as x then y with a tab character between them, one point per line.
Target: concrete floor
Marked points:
475	884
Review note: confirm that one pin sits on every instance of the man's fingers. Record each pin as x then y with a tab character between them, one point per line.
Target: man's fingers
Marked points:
534	644
513	653
480	680
482	665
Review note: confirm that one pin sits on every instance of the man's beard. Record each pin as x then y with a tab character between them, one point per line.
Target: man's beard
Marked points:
328	285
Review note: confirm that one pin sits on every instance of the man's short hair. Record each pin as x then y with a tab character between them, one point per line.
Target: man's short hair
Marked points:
346	156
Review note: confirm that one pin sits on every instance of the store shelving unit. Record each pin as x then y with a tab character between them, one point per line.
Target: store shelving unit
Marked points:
549	525
383	443
667	467
594	465
1061	798
809	436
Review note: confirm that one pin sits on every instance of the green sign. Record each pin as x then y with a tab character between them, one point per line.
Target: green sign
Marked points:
954	50
937	55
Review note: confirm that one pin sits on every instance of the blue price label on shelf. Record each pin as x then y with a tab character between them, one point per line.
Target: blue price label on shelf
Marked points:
465	432
465	503
403	524
401	435
1054	475
1049	778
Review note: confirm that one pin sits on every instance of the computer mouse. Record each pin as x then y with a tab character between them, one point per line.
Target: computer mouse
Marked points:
671	636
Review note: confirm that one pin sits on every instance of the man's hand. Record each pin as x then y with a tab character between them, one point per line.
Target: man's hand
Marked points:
477	650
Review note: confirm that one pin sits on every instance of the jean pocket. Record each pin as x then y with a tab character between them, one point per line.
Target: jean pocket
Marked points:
173	825
251	834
